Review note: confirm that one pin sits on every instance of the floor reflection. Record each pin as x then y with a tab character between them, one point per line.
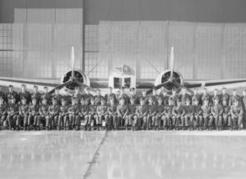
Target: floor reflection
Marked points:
46	154
158	155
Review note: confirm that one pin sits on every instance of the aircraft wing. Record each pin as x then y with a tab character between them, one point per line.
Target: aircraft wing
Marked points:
17	82
98	83
145	84
218	84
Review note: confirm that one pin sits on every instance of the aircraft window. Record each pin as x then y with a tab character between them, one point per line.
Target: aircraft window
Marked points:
127	82
117	82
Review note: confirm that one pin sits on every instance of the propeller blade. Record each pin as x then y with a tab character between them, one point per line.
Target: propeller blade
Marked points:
72	61
171	62
157	87
60	86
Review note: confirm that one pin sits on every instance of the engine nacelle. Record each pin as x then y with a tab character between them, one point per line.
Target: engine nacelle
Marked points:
79	76
175	83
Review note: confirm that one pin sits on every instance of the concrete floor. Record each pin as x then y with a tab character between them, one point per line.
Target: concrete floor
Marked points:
123	155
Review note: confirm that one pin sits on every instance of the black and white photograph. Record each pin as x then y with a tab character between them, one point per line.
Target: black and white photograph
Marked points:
122	89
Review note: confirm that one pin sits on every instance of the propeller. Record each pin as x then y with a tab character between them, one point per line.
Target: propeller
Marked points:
171	79
72	80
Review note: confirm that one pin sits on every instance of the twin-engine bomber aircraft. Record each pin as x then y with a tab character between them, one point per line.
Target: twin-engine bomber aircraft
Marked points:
169	80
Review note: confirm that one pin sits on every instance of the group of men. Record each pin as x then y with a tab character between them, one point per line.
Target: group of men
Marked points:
178	110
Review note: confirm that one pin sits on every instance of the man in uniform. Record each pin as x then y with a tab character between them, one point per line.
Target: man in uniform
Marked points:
131	112
152	113
159	113
215	96
178	114
206	96
165	98
206	113
226	113
44	112
98	97
110	95
122	112
36	94
92	113
63	119
46	95
225	96
196	97
141	115
112	112
74	110
217	112
12	94
25	94
168	113
183	96
23	114
243	100
234	97
237	115
33	117
57	96
197	113
12	112
54	110
3	113
83	110
77	93
188	116
174	96
101	116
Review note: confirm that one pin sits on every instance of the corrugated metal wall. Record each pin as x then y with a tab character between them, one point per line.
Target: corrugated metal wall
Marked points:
202	50
45	37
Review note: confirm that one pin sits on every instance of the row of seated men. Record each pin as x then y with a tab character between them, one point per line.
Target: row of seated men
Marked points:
182	110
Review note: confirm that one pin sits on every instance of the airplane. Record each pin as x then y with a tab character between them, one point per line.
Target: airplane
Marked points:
68	82
171	79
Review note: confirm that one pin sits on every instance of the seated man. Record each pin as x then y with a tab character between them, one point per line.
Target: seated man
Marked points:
217	112
168	113
152	113
83	111
178	114
92	113
188	116
63	118
112	114
12	113
43	112
3	113
131	113
23	114
197	114
122	112
140	121
54	110
102	114
237	115
206	113
33	118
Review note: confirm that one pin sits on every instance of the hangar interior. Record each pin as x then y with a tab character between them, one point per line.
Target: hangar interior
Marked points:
36	38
